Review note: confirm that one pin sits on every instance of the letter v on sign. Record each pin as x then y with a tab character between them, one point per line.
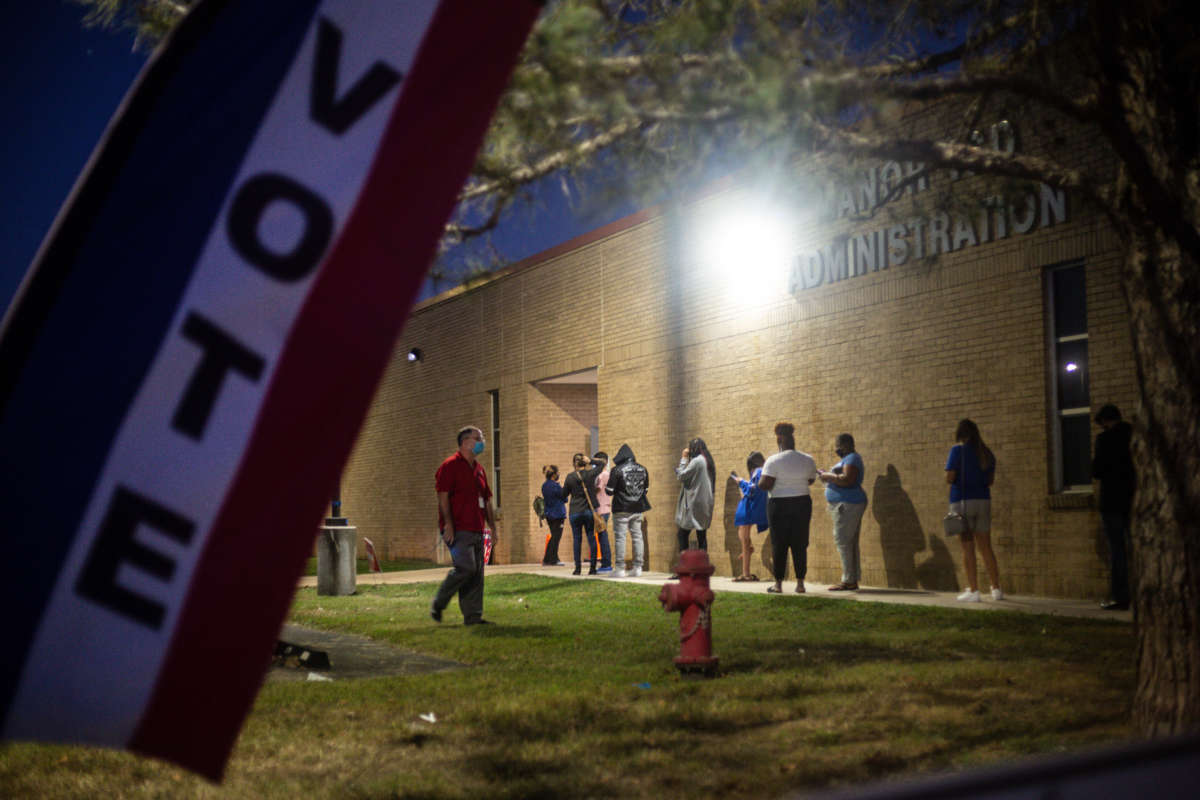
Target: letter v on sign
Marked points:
338	114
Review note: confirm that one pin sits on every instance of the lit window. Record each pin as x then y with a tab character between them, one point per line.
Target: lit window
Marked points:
1071	414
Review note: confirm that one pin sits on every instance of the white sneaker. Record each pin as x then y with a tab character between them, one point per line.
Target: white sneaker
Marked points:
636	572
997	594
617	573
969	597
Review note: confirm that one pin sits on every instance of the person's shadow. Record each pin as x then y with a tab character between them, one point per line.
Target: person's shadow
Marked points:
902	537
900	532
733	545
936	573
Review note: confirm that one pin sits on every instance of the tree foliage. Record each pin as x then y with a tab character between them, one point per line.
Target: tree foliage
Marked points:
642	96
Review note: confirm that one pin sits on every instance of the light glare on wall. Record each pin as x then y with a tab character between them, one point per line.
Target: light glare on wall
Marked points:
747	253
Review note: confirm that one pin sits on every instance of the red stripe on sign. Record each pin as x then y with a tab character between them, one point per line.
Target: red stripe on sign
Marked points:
246	577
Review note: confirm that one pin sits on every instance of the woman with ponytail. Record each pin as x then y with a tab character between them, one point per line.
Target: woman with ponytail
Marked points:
970	470
556	514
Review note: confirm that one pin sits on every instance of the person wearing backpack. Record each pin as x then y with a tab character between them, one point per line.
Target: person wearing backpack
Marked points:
554	510
627	485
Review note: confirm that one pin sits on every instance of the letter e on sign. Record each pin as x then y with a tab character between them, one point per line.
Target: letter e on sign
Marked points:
114	545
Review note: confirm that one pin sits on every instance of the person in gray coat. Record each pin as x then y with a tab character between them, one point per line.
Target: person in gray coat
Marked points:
698	478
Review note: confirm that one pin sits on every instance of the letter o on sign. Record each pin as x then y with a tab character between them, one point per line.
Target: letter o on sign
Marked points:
249	204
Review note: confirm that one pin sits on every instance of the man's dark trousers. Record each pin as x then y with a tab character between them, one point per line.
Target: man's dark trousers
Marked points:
465	577
1116	529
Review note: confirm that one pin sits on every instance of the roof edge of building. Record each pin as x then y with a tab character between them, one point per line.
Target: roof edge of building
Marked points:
582	240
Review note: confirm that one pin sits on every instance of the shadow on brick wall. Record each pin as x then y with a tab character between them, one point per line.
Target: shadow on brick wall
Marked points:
733	545
902	538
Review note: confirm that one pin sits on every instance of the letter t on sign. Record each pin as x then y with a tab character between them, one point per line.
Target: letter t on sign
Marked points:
222	353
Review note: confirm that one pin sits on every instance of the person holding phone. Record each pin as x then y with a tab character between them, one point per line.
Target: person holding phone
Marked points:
847	503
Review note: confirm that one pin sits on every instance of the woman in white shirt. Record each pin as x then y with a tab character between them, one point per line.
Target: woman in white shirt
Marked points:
786	476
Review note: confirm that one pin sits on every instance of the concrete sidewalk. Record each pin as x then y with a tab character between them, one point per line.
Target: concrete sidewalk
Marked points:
867	594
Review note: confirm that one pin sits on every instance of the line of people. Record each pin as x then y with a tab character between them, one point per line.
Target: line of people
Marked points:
590	496
775	496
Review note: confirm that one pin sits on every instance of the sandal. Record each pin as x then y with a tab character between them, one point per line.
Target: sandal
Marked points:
753	578
740	579
774	590
844	587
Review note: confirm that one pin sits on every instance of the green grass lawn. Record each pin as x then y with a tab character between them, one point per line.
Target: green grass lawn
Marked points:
812	693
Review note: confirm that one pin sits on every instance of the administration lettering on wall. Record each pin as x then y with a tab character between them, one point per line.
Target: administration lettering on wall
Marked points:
919	237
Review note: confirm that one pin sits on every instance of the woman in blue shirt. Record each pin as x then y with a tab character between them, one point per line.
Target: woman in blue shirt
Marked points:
556	515
970	470
847	503
751	511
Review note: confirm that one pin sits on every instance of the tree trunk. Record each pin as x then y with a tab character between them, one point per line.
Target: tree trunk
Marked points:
1162	286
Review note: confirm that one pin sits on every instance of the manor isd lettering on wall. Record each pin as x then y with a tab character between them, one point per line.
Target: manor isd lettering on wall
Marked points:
921	236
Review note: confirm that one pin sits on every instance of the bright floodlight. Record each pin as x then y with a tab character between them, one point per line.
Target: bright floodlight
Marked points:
746	252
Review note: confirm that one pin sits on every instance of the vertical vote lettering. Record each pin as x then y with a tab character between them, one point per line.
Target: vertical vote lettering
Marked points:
114	545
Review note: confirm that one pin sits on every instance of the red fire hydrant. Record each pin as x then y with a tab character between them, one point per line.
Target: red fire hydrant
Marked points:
692	597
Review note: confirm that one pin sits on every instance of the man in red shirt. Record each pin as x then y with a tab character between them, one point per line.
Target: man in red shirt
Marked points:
464	505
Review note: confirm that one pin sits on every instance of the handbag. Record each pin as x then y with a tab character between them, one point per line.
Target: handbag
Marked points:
599	525
955	523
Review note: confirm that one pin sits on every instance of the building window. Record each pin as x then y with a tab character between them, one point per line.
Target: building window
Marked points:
1066	286
495	395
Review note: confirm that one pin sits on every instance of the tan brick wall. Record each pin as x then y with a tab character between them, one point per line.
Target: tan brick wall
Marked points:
559	421
895	357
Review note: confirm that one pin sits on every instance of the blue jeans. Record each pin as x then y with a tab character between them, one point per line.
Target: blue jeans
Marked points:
579	523
605	551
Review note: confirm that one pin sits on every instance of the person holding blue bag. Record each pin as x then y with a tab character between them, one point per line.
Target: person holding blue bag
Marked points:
751	511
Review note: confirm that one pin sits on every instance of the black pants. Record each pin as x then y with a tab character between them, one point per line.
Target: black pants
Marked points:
701	539
550	557
1116	529
788	519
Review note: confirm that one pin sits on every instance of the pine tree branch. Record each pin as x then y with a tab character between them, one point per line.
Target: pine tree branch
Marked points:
557	160
1084	109
956	155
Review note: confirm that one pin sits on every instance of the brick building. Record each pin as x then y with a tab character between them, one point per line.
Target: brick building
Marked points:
891	327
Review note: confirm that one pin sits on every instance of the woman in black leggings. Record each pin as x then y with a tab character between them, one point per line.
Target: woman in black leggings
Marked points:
786	476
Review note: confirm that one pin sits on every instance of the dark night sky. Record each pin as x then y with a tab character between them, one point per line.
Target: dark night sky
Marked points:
63	83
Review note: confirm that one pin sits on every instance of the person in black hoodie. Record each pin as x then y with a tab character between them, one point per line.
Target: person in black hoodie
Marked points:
1113	467
627	483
